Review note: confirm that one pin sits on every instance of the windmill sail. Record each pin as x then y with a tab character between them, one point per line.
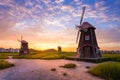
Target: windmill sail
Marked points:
21	37
82	15
80	24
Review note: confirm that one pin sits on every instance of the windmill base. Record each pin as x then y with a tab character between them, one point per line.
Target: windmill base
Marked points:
23	52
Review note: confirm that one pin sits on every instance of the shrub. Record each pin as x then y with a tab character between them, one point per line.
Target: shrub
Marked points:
53	69
69	65
5	64
107	70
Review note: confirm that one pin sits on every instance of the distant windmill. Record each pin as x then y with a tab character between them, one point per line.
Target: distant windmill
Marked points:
87	46
24	47
59	49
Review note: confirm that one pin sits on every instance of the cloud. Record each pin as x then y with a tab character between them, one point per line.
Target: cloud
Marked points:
67	8
109	37
54	23
45	22
5	2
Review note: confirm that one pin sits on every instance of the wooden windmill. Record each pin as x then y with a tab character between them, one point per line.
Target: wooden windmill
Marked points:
87	46
24	47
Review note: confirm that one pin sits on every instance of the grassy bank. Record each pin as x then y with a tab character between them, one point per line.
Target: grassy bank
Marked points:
107	70
39	55
112	57
5	55
47	55
62	55
4	64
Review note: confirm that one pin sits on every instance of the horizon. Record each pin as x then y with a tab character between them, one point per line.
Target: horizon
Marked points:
63	50
46	24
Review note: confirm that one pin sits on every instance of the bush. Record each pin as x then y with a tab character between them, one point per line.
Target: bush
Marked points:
107	70
5	64
69	65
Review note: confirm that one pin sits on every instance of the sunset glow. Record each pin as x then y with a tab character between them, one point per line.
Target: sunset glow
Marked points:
47	24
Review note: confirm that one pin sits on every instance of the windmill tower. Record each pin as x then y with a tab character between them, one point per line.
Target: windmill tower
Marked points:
24	47
87	46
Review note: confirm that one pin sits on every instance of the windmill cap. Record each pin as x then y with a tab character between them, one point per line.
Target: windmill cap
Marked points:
23	41
86	25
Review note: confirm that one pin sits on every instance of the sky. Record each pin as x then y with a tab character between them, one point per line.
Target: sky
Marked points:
50	23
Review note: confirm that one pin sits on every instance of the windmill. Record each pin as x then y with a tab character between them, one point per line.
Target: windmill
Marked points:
87	45
59	49
24	47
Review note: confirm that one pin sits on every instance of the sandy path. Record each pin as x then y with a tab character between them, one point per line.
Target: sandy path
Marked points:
41	70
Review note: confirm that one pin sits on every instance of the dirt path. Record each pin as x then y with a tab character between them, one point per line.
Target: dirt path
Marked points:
29	69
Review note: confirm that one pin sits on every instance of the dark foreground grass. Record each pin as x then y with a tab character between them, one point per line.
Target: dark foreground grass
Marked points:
4	64
107	70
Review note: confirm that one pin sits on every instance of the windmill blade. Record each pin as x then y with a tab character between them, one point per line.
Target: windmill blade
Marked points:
77	36
21	38
82	15
80	24
18	40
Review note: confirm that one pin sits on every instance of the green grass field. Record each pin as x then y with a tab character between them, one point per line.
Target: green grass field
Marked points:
53	55
107	70
39	55
4	64
5	55
47	55
113	57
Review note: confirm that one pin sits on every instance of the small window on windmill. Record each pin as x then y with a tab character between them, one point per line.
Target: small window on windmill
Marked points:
85	29
87	37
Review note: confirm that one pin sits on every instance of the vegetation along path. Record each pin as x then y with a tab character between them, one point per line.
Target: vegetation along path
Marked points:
35	69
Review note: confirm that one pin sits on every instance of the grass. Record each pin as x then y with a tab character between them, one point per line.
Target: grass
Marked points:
39	55
4	64
5	55
105	57
69	65
107	70
58	55
112	57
